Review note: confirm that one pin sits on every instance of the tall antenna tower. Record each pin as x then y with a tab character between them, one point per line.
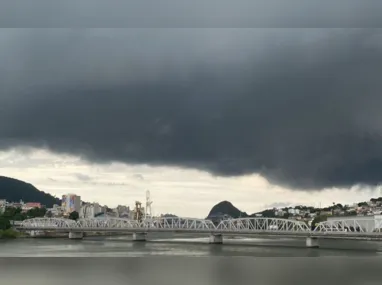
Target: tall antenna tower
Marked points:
148	213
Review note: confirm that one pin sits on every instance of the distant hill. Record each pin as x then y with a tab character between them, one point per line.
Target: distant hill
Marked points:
14	190
226	208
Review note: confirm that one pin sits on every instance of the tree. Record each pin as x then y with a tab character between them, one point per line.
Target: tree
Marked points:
286	215
351	213
340	206
10	212
19	217
36	212
74	215
270	213
49	214
4	223
317	220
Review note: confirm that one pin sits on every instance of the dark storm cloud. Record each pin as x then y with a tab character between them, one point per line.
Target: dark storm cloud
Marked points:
301	107
191	14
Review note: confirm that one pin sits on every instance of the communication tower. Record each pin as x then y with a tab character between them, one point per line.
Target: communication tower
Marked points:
148	213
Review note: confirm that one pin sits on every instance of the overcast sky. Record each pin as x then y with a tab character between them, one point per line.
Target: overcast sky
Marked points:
254	116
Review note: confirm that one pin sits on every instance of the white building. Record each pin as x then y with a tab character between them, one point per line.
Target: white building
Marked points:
56	211
71	203
294	211
90	210
280	213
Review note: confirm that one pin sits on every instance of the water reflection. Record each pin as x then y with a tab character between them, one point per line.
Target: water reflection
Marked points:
117	246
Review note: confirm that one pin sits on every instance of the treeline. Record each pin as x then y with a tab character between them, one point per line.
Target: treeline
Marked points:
14	190
16	214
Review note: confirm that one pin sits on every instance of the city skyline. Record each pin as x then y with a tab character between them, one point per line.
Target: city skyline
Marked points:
183	192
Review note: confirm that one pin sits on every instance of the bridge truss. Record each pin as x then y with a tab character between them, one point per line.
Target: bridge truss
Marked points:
108	223
336	228
361	225
179	224
262	224
247	225
49	223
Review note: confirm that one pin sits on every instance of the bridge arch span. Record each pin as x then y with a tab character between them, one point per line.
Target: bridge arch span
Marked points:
260	224
112	223
49	223
179	223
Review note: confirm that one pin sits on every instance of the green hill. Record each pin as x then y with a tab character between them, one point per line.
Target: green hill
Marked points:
14	190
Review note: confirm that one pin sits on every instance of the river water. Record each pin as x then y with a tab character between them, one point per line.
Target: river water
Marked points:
184	260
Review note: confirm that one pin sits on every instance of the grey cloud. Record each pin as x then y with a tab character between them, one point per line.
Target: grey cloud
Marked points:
278	205
139	176
83	177
301	107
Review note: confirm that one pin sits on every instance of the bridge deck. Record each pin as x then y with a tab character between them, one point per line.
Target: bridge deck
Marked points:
265	227
325	235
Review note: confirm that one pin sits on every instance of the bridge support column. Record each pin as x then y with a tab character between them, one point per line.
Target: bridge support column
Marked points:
216	239
76	235
139	236
312	242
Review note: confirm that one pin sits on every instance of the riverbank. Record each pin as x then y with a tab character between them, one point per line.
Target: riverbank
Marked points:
9	234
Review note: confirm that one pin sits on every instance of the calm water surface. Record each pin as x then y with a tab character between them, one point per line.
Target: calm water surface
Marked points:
123	246
183	260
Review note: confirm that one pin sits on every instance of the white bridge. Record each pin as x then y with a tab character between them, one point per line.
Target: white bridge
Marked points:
340	229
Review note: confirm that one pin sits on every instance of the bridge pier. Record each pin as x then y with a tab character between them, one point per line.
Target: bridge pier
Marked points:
76	235
312	242
139	236
216	239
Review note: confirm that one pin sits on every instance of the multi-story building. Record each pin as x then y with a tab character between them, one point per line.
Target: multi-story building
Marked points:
293	211
70	203
3	204
16	205
123	211
56	211
30	205
90	210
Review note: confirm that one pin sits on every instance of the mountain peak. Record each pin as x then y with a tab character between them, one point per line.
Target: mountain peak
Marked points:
226	208
14	190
